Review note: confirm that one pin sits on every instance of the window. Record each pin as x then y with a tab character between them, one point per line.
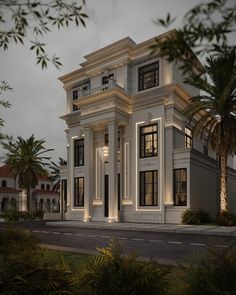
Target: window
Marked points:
180	187
188	137
205	146
75	96
79	191
148	76
106	79
4	183
148	141
148	188
79	152
64	193
42	186
48	187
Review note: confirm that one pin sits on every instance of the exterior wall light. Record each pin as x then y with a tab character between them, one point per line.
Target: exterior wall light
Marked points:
105	153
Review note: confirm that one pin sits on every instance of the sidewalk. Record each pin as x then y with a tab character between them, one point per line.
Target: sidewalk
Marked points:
144	227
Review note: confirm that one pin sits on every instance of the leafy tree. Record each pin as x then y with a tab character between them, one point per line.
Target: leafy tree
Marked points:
4	87
112	272
218	107
30	20
25	158
55	174
209	28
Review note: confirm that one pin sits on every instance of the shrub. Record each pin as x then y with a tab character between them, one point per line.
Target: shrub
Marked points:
226	219
112	272
11	215
24	269
195	217
213	273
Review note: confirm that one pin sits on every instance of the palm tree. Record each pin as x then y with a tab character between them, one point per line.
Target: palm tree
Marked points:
55	174
24	158
217	107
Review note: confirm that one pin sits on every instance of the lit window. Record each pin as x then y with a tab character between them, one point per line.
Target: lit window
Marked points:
148	76
148	188
148	141
180	187
188	137
79	191
79	152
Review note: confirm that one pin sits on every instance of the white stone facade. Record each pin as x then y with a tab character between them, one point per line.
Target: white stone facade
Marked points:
129	158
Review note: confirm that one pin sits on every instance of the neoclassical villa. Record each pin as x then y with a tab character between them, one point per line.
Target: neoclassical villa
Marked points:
130	150
12	197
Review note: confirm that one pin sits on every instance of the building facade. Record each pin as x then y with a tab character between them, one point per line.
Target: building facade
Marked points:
130	150
14	198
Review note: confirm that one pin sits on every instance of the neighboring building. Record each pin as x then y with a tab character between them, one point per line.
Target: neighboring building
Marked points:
12	197
131	153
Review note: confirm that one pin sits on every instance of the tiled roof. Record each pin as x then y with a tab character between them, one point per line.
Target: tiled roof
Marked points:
5	171
45	192
9	190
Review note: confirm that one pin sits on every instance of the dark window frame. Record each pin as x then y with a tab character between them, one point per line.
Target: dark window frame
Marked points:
188	139
149	76
143	141
105	79
181	202
142	190
64	193
77	201
4	183
78	150
75	95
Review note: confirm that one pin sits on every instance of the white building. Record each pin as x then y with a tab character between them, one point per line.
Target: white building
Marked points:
131	155
12	197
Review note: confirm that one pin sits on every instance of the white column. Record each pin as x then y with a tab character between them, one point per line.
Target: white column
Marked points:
88	175
113	175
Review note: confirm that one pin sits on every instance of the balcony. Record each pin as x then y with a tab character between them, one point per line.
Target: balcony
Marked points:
111	85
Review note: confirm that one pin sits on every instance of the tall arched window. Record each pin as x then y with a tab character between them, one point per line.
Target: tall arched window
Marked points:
42	186
4	183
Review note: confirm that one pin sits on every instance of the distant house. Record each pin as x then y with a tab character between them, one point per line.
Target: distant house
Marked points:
131	152
12	197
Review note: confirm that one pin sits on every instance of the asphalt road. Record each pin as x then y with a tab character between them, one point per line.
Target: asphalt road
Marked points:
167	248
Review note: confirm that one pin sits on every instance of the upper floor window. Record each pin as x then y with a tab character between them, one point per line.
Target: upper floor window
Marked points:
148	188
148	141
79	191
75	96
180	187
148	76
48	186
42	186
79	152
205	146
106	79
188	137
4	183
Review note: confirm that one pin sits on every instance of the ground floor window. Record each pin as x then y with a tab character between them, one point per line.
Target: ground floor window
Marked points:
79	192
148	188
180	187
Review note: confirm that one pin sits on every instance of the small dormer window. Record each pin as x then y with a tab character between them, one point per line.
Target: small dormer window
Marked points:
106	79
148	76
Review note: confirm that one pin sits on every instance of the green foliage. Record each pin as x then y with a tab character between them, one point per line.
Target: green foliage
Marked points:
55	174
226	219
34	19
195	217
4	87
207	29
212	274
112	272
24	269
13	215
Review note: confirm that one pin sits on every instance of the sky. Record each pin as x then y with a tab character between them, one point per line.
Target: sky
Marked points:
38	98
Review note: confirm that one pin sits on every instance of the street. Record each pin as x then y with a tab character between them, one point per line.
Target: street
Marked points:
165	247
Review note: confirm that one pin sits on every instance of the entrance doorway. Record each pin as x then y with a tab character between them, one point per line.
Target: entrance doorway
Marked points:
106	196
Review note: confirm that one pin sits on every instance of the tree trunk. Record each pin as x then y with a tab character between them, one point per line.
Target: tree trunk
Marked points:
223	183
28	200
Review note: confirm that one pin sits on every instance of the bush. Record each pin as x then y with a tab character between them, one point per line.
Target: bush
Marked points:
212	274
195	217
24	269
11	215
226	219
112	272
